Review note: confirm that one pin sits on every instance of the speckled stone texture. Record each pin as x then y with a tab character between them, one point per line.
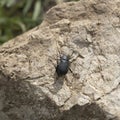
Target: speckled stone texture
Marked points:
89	32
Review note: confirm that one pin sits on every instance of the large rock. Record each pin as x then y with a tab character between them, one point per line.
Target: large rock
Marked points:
89	32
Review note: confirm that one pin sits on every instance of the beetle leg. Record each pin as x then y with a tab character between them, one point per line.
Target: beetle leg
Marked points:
71	71
76	75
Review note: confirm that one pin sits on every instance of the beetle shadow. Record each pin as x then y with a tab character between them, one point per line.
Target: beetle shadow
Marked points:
58	82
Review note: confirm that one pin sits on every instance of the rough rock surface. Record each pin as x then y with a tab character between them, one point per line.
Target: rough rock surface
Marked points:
89	32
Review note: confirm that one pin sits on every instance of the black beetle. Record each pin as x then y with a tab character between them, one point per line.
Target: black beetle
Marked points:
63	66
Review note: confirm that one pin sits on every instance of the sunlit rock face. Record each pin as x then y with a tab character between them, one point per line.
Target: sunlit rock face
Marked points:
88	32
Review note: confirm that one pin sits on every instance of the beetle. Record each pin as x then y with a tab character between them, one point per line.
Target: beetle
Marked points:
63	66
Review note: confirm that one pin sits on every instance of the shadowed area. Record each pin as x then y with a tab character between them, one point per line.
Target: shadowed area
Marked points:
87	112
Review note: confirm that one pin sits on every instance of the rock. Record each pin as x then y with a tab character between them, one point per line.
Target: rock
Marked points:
89	32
